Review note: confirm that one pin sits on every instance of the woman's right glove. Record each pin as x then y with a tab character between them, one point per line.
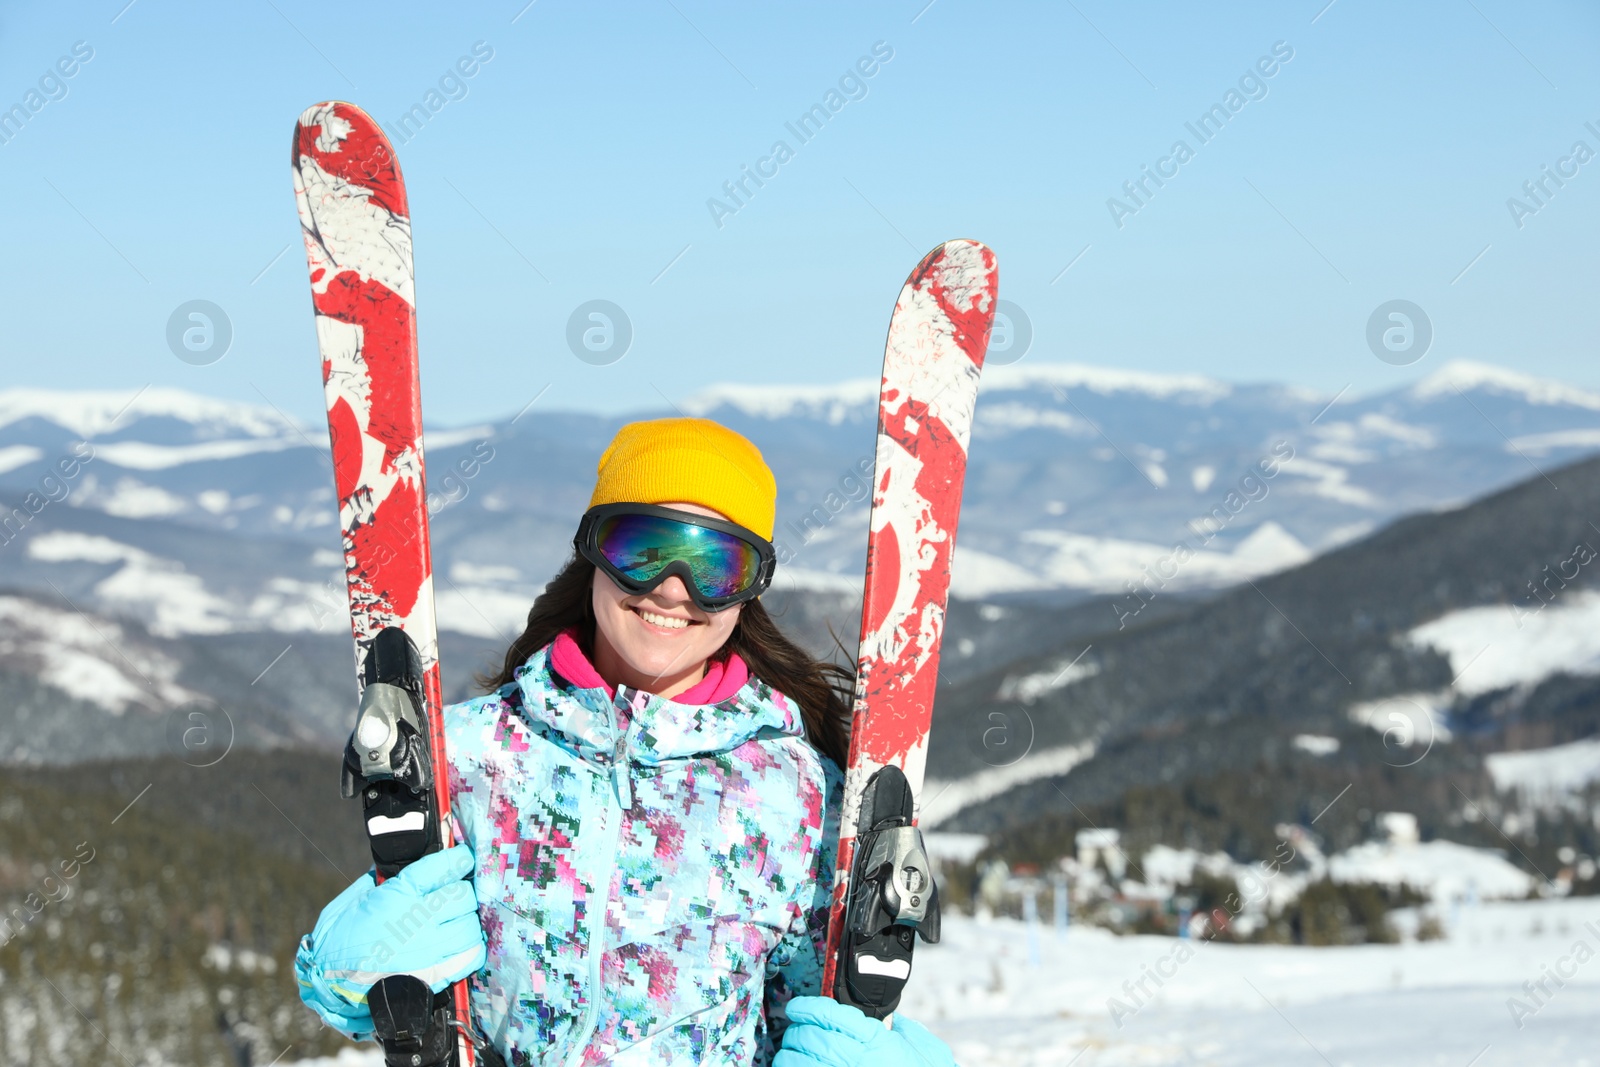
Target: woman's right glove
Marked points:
422	922
824	1033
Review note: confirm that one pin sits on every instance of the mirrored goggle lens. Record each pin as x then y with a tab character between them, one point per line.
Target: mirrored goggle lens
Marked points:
642	546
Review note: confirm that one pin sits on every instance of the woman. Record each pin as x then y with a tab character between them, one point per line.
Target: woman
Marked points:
648	804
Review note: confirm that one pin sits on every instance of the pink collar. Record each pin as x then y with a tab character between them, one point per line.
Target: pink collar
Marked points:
721	681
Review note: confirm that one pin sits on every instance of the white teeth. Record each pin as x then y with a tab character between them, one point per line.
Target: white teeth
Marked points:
662	620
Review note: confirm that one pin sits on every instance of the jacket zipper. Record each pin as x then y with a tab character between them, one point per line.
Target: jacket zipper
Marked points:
597	931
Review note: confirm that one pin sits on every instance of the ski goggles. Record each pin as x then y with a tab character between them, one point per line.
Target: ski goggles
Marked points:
639	545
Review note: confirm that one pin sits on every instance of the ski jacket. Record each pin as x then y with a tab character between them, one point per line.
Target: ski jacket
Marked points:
653	876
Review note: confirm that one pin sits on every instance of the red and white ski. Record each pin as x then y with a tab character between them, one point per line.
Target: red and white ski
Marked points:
357	228
883	890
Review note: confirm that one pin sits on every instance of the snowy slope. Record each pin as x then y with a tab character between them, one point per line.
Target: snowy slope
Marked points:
1545	777
1498	646
1002	996
1464	376
68	651
1264	1006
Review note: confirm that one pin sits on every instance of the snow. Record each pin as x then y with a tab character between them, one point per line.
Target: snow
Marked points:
1202	477
790	577
290	605
158	591
975	575
1169	867
939	800
1004	995
954	846
367	1054
59	546
1409	723
1316	744
1373	425
1442	869
215	501
1341	452
462	571
858	397
1498	646
1101	564
1465	375
14	456
493	611
1108	564
133	499
1539	444
139	455
1189	388
1271	547
993	420
834	403
432	439
1398	827
1329	480
1259	1005
170	601
1345	533
223	957
88	413
1546	776
87	659
1031	687
1403	432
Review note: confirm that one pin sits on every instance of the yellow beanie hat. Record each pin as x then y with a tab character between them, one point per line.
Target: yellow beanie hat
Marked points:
695	461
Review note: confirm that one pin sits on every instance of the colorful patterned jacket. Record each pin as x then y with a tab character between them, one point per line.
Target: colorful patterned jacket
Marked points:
652	875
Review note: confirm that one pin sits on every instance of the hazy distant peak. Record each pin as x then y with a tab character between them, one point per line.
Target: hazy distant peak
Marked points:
1195	388
91	412
837	401
832	402
1466	375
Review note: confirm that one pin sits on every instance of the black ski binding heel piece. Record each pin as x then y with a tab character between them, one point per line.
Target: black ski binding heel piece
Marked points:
386	760
411	1021
892	899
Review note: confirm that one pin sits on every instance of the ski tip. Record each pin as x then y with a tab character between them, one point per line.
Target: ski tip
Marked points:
958	246
312	116
339	138
964	277
965	242
323	125
966	254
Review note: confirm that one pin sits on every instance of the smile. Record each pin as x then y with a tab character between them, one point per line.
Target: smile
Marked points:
666	622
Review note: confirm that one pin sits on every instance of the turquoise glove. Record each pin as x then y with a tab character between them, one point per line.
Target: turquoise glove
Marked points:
824	1033
423	922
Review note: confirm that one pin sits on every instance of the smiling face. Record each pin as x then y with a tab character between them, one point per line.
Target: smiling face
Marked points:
657	641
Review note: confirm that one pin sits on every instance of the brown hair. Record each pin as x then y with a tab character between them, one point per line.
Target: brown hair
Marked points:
823	690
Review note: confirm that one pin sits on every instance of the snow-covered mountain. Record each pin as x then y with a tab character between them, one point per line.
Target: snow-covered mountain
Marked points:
1447	665
1082	480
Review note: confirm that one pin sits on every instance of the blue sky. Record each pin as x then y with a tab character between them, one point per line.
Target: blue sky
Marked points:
577	162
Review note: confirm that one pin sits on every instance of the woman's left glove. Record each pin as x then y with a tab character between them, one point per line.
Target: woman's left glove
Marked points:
824	1033
422	922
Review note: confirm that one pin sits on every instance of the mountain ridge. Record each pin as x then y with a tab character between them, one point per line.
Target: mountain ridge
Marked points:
1343	647
90	412
1080	478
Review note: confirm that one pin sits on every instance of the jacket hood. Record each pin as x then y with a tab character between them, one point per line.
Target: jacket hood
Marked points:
643	727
